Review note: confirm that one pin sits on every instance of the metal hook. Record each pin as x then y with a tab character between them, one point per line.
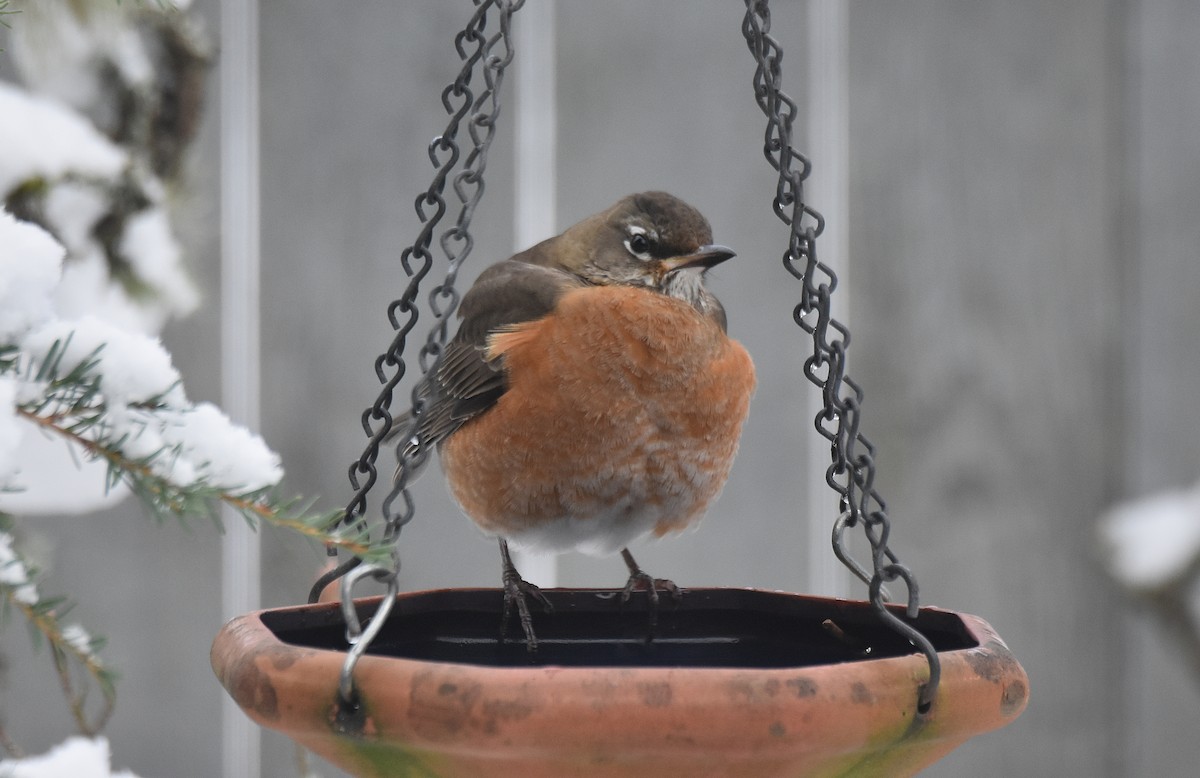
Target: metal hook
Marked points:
360	639
928	691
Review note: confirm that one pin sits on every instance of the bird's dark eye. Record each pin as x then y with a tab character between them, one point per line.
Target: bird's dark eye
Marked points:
638	244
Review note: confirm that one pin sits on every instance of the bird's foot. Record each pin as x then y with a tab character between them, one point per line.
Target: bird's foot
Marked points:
640	580
516	589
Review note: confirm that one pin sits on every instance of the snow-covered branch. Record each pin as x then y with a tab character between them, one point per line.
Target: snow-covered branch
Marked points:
113	396
70	644
77	757
90	271
1151	548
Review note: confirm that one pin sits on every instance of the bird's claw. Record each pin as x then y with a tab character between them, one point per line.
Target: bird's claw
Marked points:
516	589
642	581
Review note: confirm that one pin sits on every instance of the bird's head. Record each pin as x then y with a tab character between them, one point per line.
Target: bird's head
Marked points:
652	240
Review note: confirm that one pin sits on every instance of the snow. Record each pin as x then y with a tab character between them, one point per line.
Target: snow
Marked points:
60	46
146	409
190	443
49	141
74	208
146	244
78	638
155	255
55	479
10	433
1154	542
87	289
79	168
30	267
198	444
134	368
77	757
14	573
67	293
223	454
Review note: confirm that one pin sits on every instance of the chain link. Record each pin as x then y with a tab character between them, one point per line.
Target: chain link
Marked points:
475	45
851	473
496	53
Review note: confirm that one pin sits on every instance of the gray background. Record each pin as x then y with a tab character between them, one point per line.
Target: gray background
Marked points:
1023	190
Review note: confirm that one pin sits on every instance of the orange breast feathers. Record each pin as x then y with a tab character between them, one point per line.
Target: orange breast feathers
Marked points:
621	419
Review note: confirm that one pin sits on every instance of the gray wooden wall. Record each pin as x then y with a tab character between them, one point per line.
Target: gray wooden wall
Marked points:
1024	183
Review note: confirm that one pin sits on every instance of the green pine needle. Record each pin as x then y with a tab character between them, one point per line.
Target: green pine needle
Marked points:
71	406
45	618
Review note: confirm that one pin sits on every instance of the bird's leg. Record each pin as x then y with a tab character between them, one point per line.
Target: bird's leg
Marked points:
515	590
640	579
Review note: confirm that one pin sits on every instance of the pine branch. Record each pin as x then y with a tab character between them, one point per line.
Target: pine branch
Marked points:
70	646
180	459
166	499
5	11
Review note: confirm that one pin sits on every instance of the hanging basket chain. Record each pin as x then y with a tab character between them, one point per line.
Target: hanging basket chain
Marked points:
496	52
851	473
480	112
456	242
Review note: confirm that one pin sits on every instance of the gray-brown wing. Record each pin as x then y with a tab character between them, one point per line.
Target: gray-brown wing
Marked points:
466	383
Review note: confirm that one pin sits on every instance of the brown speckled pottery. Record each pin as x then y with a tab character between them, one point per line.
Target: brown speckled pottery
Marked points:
734	683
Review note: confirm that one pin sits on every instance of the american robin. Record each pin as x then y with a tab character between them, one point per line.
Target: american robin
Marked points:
591	395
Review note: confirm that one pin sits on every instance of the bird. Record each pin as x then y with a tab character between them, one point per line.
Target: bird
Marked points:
591	395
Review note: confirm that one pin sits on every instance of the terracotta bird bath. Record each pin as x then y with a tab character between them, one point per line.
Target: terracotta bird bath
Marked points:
734	683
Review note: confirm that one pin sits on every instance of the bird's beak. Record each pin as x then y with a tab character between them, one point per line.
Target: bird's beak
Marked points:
703	257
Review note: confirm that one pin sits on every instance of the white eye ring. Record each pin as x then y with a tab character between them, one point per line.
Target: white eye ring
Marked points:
638	244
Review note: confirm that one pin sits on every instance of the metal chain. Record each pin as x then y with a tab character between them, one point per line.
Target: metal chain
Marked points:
852	471
851	474
456	243
495	52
